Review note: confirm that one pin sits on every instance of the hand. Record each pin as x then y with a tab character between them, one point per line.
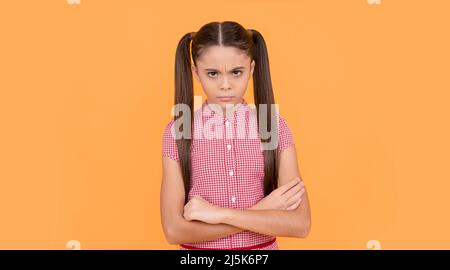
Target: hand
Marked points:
199	209
286	197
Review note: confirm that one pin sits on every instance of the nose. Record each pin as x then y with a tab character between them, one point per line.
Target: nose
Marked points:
225	84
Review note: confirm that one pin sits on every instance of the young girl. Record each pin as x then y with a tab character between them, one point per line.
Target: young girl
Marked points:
223	187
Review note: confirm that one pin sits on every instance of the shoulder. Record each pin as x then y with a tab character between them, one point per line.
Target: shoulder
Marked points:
169	129
282	122
284	133
169	124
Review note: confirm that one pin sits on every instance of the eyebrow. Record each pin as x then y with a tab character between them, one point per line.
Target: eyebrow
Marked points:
212	69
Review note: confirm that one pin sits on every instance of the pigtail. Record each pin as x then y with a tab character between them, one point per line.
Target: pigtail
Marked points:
263	94
184	94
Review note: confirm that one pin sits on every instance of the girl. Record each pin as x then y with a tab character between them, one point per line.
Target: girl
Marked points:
223	188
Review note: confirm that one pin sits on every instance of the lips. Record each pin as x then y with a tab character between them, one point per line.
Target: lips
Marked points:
225	98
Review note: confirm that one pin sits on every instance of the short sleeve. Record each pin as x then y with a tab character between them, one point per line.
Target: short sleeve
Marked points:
169	145
285	138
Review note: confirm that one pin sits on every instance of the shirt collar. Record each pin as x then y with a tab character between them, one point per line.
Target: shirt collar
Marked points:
240	108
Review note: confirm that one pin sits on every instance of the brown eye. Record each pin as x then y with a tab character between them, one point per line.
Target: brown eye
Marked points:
240	72
212	72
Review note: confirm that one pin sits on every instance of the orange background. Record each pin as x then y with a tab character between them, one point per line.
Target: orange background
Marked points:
86	91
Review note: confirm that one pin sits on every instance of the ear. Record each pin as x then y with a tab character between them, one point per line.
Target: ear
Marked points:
252	67
195	72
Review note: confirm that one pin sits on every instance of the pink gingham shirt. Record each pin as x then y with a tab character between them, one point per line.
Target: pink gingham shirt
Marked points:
228	168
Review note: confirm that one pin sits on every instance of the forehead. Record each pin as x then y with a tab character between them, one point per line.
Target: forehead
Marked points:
222	57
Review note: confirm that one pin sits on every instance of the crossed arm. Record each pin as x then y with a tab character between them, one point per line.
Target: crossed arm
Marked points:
285	212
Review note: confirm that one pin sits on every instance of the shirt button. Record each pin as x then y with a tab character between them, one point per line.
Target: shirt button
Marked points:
227	123
229	146
231	173
233	199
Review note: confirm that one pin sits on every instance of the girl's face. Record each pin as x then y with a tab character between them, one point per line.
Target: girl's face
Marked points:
224	73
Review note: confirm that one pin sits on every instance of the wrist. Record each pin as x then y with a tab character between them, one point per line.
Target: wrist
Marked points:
224	214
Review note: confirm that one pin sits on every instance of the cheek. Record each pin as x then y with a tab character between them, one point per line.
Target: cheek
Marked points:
205	82
209	87
242	82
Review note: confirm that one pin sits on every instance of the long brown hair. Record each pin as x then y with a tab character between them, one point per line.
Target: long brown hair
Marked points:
230	34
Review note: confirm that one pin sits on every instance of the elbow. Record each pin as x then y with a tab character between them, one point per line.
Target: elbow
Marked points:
172	240
306	230
171	235
303	230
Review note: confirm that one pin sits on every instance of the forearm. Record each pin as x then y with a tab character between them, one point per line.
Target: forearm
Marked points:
269	222
197	231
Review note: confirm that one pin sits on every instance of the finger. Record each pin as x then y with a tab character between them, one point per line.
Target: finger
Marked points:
295	205
296	197
289	185
293	200
294	190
